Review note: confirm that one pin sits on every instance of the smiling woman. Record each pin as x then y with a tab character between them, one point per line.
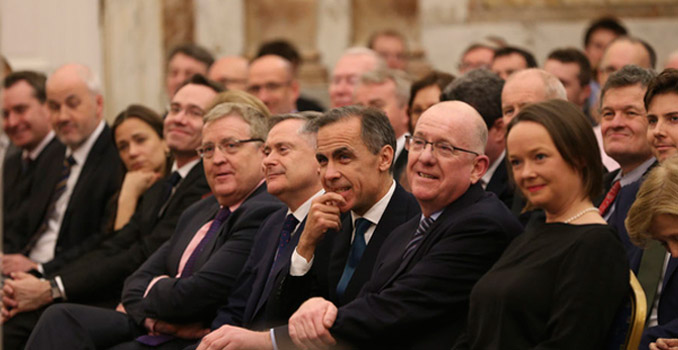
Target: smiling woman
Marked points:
541	291
137	134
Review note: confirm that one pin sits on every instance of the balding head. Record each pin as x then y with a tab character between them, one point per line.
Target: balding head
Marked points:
271	79
624	51
529	86
441	174
230	71
75	103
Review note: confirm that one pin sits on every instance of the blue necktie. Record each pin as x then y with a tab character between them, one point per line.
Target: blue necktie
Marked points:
286	234
412	245
357	250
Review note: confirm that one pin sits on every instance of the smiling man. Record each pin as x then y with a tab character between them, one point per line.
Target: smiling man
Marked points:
26	123
176	292
418	295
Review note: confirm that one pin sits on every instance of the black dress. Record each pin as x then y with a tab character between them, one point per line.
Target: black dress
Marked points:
557	286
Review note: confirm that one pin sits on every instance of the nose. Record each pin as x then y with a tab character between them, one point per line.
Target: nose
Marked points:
617	120
659	128
11	120
133	149
269	160
219	157
330	171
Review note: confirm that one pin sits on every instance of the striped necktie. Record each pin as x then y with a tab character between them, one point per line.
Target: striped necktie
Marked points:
412	245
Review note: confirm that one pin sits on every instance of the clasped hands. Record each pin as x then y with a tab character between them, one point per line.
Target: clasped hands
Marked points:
664	344
23	292
308	328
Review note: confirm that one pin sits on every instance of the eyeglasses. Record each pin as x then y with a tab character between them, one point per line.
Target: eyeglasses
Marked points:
441	148
190	110
272	86
228	146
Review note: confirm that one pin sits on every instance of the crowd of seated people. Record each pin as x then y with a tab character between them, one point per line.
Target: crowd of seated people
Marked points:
508	207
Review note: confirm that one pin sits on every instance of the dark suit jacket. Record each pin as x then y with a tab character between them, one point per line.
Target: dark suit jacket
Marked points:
197	297
332	253
667	310
422	302
247	304
97	276
309	104
501	185
27	194
86	213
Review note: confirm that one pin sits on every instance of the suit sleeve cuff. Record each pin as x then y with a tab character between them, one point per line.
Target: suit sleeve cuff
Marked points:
299	266
273	342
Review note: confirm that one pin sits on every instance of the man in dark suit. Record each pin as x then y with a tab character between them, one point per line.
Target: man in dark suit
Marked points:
90	175
186	279
94	275
292	176
334	258
481	89
389	91
418	294
661	102
26	123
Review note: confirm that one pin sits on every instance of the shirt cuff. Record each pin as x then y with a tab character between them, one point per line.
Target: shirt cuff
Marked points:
40	269
273	342
60	284
153	282
299	266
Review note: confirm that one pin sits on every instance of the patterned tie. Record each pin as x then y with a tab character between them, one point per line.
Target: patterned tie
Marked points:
609	198
288	227
357	250
214	227
51	209
424	225
169	185
650	271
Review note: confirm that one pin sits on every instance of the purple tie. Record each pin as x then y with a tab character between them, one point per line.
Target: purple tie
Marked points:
214	228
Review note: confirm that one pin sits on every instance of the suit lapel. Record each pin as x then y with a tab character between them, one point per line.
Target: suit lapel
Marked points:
339	254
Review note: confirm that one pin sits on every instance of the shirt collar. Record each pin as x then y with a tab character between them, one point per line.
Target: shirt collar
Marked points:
80	154
41	146
375	213
186	168
635	174
490	171
303	209
400	145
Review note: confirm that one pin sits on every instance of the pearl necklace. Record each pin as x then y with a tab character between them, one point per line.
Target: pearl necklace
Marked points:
580	214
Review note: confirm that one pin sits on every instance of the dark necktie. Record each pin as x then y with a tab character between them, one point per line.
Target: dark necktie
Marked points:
51	209
412	245
169	185
214	228
287	229
650	271
609	198
354	256
25	164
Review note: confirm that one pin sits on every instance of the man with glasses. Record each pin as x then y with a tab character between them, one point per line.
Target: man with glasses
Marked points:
95	276
271	79
189	276
419	291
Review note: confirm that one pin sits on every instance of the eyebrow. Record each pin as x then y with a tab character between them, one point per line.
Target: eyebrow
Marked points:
341	150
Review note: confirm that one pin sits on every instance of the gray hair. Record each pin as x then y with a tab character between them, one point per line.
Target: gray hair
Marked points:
375	128
252	116
400	79
360	51
629	75
480	88
305	116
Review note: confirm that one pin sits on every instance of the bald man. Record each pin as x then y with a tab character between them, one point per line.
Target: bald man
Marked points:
89	177
230	71
271	79
624	51
418	294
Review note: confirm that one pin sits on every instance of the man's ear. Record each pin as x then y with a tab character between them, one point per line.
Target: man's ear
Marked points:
386	155
480	165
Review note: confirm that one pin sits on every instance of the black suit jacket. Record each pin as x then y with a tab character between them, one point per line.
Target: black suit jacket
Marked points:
197	297
246	306
27	195
97	276
422	302
501	185
86	215
400	165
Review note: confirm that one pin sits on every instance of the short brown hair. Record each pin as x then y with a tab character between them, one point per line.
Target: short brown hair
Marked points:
657	195
664	83
573	137
35	79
